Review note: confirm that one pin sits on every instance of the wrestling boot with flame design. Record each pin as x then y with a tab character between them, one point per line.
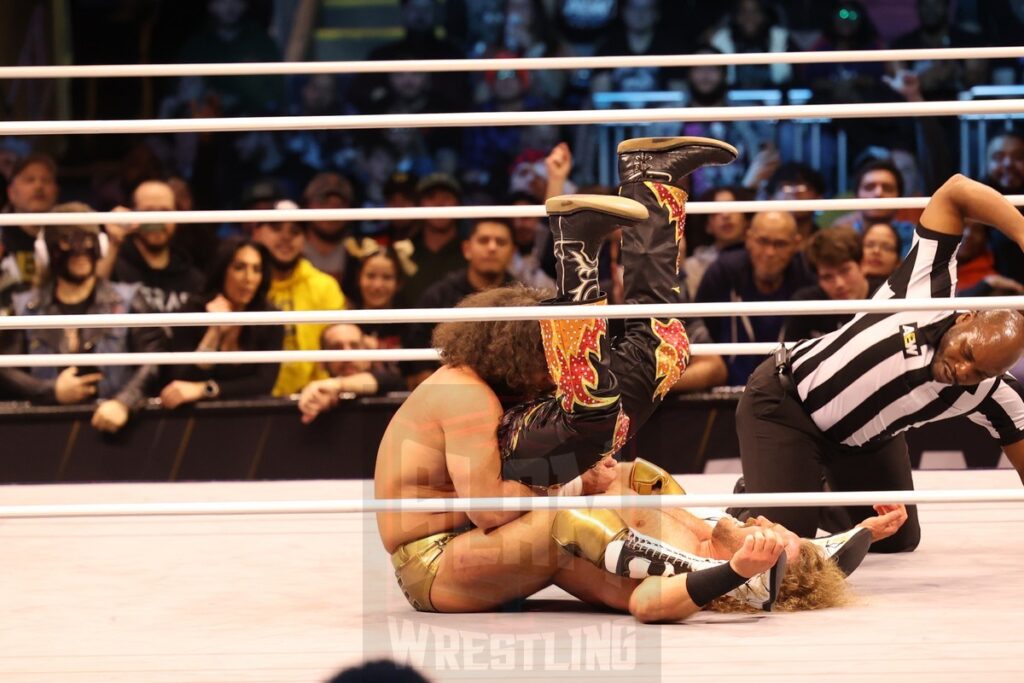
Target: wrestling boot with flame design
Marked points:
549	442
602	538
651	171
654	353
579	226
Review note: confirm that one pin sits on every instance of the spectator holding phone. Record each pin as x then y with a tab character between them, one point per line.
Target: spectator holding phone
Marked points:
69	285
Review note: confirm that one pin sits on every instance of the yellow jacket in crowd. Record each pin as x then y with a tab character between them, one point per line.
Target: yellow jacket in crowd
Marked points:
306	289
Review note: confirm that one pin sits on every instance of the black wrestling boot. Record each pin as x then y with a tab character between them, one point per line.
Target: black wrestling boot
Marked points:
578	352
651	171
579	226
655	352
669	160
847	549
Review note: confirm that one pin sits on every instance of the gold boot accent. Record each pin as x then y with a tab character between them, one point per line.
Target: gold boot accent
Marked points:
648	479
587	533
665	144
611	205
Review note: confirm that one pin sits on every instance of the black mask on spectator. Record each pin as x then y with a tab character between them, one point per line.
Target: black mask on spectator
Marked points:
64	247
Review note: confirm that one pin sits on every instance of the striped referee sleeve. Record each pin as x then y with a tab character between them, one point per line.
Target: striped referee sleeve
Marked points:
1002	411
928	271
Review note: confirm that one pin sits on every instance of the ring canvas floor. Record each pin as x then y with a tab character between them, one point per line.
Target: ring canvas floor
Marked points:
293	598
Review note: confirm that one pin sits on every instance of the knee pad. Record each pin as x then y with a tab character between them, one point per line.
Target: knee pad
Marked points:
587	533
648	479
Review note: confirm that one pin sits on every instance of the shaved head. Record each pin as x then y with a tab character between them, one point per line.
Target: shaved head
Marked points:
980	345
772	241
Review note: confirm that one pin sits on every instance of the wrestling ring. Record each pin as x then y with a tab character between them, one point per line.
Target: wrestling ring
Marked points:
288	582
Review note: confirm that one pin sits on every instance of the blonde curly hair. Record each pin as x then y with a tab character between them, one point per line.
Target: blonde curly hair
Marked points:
812	582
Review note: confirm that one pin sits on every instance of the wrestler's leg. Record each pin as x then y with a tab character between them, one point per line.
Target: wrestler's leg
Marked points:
481	570
543	441
652	354
716	534
594	586
552	441
674	525
602	537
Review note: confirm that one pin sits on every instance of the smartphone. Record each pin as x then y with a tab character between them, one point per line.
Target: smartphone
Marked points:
88	369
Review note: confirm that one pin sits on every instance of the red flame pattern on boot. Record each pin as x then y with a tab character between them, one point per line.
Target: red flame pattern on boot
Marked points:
672	354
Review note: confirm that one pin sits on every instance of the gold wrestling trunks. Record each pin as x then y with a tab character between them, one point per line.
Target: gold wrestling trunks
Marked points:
416	565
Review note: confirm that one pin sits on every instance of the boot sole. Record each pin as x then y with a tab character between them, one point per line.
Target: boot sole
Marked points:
620	207
662	144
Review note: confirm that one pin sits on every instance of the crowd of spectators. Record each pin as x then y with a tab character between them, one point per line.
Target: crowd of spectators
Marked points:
323	265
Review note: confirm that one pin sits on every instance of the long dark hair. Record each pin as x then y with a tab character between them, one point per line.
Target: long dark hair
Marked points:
218	268
350	278
887	225
697	226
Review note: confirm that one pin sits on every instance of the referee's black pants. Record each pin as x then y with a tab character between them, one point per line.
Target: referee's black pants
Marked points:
782	450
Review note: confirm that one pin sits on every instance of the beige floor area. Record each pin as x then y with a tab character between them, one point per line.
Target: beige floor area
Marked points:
293	598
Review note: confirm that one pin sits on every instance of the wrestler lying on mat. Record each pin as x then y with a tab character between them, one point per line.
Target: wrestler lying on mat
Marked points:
451	437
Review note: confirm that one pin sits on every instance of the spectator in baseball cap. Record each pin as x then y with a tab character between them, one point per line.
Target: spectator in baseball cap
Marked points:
324	239
436	247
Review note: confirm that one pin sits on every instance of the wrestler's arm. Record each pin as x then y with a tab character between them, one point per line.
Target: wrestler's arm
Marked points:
961	198
660	599
470	426
1015	454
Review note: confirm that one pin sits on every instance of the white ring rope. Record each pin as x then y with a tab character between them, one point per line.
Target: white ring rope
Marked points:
524	63
420	505
457	212
487	314
559	118
45	360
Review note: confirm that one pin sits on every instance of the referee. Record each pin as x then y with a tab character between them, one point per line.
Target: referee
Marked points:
836	407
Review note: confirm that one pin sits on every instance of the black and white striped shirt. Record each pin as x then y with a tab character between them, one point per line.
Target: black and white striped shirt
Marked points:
872	378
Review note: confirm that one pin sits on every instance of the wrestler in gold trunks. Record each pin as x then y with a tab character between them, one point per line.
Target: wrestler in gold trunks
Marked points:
416	564
712	535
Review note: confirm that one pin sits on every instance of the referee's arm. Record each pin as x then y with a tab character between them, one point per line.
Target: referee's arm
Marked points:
1002	414
961	198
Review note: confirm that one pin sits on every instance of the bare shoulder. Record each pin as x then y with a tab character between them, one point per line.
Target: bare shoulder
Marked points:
456	390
